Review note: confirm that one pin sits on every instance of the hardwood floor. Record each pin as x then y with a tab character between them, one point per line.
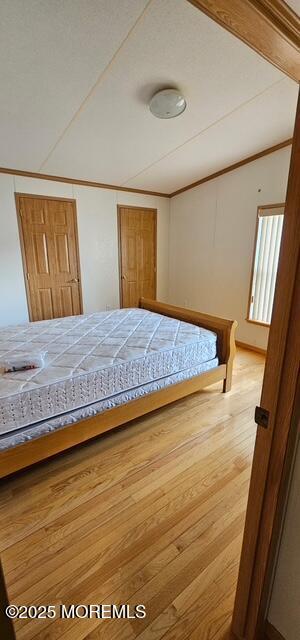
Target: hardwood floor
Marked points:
148	514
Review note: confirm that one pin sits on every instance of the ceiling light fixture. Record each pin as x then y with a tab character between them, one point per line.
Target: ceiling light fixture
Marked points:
167	103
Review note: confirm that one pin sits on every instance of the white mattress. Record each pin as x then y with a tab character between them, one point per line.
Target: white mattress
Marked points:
25	434
94	357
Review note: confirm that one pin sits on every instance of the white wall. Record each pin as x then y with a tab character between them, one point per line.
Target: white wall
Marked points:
98	243
284	612
212	230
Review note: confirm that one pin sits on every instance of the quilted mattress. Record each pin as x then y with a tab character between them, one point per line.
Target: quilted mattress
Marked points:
93	358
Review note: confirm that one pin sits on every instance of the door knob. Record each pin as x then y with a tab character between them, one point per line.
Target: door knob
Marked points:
123	278
74	280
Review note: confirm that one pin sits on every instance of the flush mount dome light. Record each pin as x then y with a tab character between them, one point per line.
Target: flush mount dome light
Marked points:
167	103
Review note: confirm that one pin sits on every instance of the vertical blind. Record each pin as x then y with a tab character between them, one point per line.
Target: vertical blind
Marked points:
267	248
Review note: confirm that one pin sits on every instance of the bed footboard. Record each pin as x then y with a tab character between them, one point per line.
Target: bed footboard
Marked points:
225	330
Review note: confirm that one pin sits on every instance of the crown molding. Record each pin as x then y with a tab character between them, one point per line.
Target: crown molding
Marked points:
270	27
232	167
101	185
84	183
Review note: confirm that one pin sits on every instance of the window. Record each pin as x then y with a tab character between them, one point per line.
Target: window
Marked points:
265	263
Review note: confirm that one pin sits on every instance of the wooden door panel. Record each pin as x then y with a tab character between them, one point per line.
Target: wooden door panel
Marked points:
62	258
34	224
137	231
44	307
66	301
35	211
50	255
146	256
40	253
146	289
131	291
59	214
147	222
132	219
130	254
64	232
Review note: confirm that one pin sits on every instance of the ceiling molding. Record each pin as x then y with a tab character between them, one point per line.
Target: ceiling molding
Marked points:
147	192
84	183
236	165
270	27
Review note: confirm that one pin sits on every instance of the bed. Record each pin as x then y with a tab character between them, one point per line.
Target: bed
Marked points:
102	370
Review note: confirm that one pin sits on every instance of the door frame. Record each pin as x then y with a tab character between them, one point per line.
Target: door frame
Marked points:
141	208
72	201
275	446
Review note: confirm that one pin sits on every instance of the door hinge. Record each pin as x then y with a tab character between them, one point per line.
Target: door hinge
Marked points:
27	276
261	417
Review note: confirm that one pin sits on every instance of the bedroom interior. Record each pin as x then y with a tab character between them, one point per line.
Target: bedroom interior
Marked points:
149	279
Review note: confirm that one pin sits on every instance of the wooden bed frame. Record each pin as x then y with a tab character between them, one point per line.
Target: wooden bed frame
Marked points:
28	453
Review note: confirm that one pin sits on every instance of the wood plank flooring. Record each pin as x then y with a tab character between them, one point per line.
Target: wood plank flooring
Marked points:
148	514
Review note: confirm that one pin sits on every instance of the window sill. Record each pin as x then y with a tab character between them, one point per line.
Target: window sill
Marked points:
261	324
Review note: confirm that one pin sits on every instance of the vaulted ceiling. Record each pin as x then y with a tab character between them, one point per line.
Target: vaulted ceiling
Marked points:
76	78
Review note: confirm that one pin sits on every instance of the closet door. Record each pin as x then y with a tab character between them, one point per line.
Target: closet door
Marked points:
49	242
137	243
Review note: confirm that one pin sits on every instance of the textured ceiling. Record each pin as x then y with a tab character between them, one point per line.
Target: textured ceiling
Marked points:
76	78
295	5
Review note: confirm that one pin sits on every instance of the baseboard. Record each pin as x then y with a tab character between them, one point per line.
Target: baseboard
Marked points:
271	633
251	347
